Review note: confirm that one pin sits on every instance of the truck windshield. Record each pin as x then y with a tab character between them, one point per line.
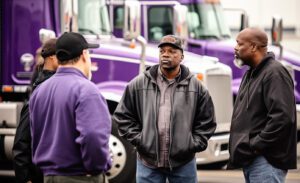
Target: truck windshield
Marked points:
93	17
207	21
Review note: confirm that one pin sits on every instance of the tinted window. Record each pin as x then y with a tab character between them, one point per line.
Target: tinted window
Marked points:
118	17
160	22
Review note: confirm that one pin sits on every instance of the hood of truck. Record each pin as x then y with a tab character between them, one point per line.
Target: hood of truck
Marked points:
224	50
120	48
227	46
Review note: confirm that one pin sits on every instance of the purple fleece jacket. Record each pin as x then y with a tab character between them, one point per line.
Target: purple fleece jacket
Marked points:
70	125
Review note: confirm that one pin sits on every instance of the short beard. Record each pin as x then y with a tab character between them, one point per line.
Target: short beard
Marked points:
238	63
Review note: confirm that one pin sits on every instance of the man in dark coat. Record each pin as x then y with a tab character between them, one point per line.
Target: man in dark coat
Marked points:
263	128
168	115
25	170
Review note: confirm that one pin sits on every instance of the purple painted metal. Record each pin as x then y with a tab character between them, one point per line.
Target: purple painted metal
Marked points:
223	48
22	20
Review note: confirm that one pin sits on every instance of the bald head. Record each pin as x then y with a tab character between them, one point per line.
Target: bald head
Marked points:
255	36
251	46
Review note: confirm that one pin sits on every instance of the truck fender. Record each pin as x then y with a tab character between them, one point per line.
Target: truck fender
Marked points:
124	154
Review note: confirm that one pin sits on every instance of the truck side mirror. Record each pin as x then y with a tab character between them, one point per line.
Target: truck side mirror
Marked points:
180	19
276	31
276	34
244	21
27	59
132	19
236	12
46	34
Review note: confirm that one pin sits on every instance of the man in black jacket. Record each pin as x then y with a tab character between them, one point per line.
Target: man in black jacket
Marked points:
25	170
168	115
263	129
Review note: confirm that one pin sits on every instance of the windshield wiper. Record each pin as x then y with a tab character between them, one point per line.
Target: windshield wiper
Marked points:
226	36
105	30
209	37
92	32
87	30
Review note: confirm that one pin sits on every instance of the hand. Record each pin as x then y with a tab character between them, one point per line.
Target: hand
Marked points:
256	152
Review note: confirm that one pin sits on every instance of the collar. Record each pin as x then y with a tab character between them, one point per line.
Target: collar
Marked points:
71	70
162	77
270	56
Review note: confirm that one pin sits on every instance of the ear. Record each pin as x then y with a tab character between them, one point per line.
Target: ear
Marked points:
253	47
52	57
182	56
84	55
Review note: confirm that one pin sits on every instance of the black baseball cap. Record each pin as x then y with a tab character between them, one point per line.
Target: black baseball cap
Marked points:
70	45
171	40
49	48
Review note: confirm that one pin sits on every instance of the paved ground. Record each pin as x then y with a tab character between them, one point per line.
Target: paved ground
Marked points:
222	176
236	176
214	176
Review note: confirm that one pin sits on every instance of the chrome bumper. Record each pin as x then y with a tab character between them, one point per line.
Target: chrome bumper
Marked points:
217	150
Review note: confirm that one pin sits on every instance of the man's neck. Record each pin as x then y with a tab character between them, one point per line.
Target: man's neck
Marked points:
76	65
48	66
170	74
258	59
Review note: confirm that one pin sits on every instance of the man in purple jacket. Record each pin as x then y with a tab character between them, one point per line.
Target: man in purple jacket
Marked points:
70	121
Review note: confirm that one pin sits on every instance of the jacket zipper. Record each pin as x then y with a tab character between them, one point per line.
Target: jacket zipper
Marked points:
248	86
156	127
171	125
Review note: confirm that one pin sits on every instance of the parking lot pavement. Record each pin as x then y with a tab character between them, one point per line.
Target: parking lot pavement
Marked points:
236	176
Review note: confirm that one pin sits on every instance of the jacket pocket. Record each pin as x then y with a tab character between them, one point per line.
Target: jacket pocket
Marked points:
147	146
240	150
183	148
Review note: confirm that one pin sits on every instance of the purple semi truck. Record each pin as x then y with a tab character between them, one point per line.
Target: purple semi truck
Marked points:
204	28
25	24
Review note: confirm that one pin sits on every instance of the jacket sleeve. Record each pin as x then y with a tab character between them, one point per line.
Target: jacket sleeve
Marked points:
125	116
25	170
205	123
278	94
94	126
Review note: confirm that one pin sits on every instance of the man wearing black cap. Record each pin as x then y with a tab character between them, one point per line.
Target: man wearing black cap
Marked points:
70	121
168	115
25	170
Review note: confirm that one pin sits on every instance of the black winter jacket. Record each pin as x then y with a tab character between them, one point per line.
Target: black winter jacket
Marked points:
192	117
25	170
264	117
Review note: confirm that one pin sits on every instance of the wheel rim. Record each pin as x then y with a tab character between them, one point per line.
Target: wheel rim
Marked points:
119	157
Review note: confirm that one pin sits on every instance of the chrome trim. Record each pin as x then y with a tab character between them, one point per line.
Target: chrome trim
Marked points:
120	59
7	131
213	152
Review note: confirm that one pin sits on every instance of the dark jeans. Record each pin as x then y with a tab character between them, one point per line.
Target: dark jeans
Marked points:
75	179
260	170
184	174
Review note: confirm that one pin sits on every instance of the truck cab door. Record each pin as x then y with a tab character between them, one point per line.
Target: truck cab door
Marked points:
195	45
23	20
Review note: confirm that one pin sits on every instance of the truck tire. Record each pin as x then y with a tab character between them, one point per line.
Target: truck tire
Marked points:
124	159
